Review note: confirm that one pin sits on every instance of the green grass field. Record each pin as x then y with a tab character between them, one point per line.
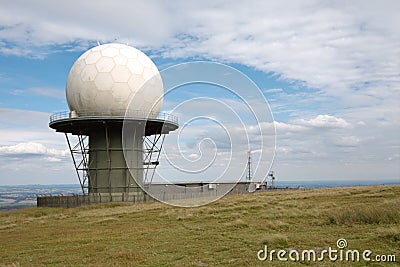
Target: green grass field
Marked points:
228	232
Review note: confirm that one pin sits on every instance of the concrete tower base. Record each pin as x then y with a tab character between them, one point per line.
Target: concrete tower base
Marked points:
108	169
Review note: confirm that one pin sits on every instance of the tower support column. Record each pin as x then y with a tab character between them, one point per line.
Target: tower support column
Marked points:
116	166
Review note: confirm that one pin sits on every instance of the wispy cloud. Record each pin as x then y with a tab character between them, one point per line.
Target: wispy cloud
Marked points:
47	92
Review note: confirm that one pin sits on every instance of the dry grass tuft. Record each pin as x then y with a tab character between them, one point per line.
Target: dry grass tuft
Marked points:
382	214
237	224
276	241
391	234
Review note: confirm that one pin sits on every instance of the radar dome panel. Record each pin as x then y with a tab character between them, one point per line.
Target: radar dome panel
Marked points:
104	79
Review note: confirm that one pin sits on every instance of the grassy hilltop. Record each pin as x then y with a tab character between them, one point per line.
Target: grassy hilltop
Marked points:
228	232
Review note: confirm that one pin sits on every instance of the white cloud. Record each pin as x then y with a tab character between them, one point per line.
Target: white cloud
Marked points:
282	127
52	159
273	90
31	148
193	156
24	148
349	141
323	121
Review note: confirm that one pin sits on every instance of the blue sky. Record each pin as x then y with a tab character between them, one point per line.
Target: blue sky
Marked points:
330	71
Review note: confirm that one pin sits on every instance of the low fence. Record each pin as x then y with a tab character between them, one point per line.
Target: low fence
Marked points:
61	201
71	201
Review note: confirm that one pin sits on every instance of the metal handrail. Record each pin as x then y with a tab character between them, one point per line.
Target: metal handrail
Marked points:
136	114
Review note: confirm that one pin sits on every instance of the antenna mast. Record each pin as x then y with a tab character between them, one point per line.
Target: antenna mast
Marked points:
249	166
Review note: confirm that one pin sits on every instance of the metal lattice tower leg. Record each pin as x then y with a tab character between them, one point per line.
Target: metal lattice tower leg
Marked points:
80	157
152	149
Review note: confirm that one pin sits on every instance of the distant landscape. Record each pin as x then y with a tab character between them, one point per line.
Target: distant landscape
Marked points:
20	196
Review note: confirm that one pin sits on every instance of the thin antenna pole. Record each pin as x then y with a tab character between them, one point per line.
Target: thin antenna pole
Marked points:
249	166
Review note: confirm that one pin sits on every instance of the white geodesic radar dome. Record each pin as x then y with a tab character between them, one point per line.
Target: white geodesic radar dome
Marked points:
105	79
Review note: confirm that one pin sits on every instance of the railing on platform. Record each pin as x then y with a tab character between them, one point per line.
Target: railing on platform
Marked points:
135	114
